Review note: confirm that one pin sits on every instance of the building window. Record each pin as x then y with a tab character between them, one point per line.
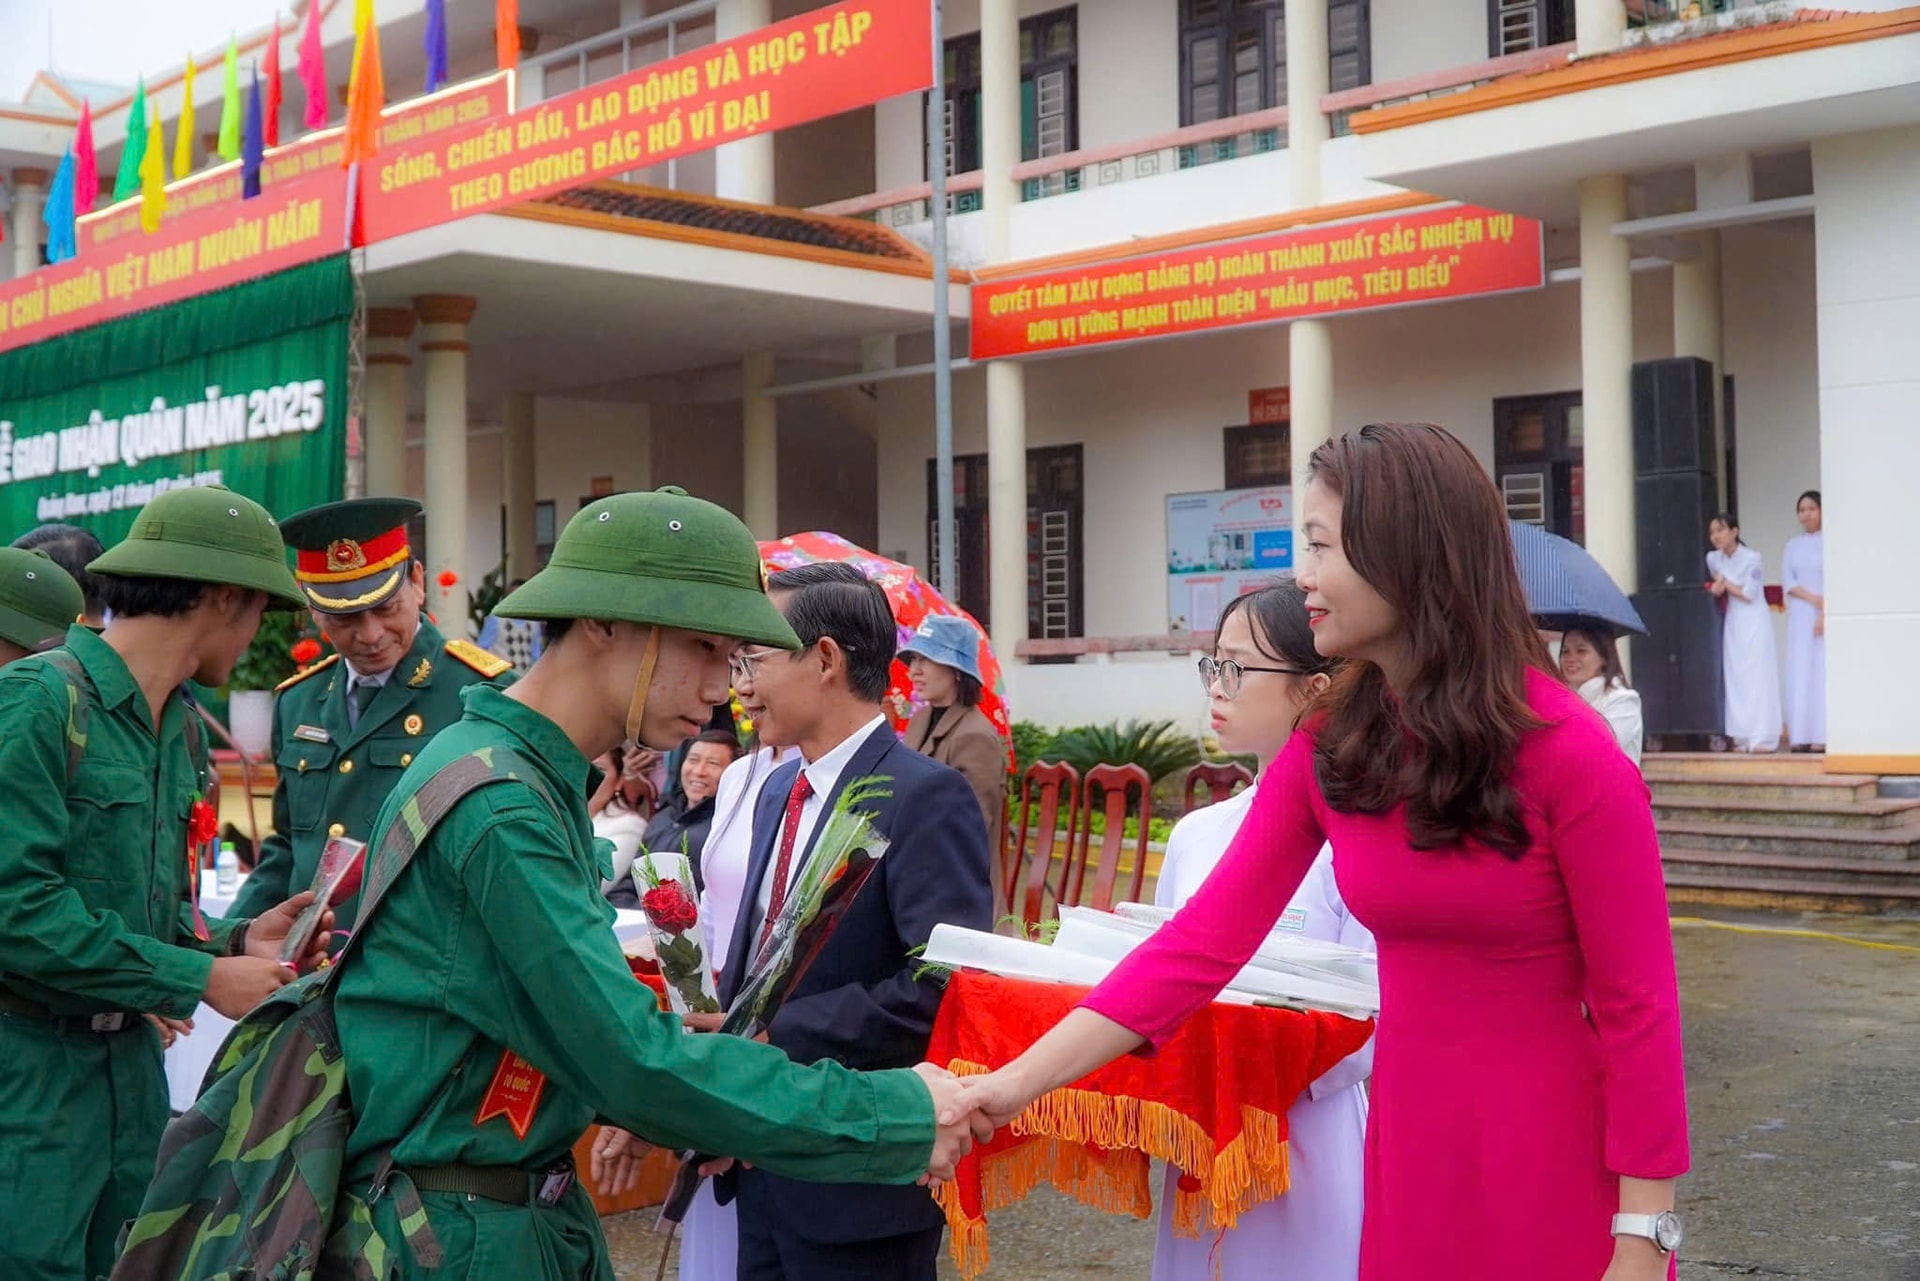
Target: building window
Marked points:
1055	555
1234	55
1049	101
1516	26
1258	455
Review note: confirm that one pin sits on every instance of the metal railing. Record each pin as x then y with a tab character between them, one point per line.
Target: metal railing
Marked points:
617	52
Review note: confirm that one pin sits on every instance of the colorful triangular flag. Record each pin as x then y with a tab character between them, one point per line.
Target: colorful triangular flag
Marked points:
436	44
59	212
183	134
253	147
313	68
506	33
153	178
230	105
271	120
127	182
86	165
366	91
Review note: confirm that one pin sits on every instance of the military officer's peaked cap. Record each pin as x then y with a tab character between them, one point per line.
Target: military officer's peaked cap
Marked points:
38	599
664	558
351	556
206	534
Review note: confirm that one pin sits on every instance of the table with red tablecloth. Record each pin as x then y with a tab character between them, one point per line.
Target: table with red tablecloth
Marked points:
1213	1102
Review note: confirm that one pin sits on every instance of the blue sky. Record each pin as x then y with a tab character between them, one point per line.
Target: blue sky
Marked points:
116	40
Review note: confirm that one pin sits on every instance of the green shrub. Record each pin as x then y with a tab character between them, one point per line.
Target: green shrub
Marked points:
1156	746
1031	742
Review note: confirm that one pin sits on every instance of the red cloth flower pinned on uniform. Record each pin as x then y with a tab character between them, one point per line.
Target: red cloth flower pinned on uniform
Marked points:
305	651
670	908
202	823
448	580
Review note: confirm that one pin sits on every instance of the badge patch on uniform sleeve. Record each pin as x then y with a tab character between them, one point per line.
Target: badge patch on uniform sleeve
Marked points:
515	1094
312	734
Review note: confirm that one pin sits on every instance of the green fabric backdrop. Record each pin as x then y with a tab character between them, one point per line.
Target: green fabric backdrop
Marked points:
265	335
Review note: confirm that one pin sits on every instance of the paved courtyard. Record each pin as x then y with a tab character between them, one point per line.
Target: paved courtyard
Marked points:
1803	1066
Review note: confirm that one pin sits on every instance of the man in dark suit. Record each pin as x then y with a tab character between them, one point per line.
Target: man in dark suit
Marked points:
859	1003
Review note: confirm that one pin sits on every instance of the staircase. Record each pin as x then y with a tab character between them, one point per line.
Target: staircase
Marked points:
1780	832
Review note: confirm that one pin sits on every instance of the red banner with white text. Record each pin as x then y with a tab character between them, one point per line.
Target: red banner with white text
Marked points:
819	64
211	249
1430	254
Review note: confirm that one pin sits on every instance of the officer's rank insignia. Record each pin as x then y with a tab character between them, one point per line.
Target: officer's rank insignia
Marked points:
312	734
420	674
413	724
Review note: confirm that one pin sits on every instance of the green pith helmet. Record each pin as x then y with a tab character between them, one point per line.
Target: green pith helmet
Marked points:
664	558
206	534
38	599
351	556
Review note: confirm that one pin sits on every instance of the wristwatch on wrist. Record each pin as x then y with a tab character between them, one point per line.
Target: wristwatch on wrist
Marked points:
1663	1229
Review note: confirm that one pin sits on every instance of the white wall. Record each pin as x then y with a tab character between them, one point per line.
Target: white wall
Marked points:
1867	187
1411	37
577	440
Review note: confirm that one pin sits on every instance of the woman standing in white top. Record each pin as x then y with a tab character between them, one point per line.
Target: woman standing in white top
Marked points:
1262	676
1804	575
709	1240
1591	663
1750	669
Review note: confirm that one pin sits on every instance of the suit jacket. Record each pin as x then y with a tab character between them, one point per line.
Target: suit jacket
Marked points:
859	1003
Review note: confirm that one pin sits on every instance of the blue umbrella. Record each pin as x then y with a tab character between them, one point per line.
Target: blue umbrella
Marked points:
1566	587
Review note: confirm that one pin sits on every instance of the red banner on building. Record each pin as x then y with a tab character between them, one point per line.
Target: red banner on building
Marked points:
291	224
1455	252
819	64
401	124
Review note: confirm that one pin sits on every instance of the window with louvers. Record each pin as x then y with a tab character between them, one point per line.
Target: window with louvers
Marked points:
1518	26
1049	100
1234	55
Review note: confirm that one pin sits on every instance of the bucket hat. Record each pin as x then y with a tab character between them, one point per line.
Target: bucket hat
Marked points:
944	639
38	599
666	559
206	534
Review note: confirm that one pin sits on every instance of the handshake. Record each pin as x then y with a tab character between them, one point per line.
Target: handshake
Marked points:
966	1110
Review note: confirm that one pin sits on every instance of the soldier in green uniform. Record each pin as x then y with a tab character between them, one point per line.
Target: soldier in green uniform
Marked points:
345	729
38	602
98	923
488	1017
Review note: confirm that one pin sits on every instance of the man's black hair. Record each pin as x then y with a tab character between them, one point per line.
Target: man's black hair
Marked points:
837	600
72	549
139	597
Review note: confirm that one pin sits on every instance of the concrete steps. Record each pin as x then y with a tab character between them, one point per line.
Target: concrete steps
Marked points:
1779	832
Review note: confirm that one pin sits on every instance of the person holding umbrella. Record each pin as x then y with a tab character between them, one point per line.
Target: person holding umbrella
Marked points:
1591	663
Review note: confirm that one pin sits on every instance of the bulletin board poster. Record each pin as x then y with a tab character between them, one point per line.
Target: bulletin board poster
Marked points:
1221	545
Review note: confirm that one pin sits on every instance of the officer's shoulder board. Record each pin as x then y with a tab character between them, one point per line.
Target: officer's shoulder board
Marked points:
487	663
305	672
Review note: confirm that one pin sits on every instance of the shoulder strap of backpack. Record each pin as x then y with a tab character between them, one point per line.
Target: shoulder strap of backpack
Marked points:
418	817
79	704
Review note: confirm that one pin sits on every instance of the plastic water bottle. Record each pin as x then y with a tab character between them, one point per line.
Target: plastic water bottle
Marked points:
226	869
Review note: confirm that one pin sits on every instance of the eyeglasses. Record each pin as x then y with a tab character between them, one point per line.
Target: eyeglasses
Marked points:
744	666
1229	674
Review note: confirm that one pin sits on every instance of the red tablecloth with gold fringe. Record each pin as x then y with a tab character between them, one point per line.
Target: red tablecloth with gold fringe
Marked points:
1213	1103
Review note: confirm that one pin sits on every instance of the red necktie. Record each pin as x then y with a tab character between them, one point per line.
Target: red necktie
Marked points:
789	832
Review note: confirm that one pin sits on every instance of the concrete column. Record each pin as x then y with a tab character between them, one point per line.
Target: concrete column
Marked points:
1696	332
1599	26
1007	567
744	170
517	461
29	198
760	415
389	330
1606	378
1309	342
1867	290
443	348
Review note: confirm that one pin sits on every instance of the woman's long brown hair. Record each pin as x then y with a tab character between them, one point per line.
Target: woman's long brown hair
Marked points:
1422	523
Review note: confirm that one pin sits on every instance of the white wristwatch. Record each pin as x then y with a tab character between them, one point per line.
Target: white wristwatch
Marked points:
1663	1229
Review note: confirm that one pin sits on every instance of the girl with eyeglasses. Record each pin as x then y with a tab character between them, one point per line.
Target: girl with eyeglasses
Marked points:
1263	676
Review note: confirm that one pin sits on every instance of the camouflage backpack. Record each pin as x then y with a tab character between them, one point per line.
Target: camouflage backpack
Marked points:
248	1180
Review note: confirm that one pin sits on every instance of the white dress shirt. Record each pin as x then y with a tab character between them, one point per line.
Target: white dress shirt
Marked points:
824	774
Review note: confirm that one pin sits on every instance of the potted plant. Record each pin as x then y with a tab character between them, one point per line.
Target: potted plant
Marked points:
281	648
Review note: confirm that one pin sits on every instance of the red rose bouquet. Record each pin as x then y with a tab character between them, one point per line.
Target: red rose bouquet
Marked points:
672	915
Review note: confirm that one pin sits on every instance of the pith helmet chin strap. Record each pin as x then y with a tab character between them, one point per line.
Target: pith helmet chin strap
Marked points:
642	682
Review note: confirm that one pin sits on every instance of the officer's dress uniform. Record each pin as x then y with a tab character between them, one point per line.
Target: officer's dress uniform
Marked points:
96	910
335	773
338	749
488	1016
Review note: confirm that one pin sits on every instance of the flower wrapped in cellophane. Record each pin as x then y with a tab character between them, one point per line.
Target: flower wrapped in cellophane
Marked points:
845	854
673	917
